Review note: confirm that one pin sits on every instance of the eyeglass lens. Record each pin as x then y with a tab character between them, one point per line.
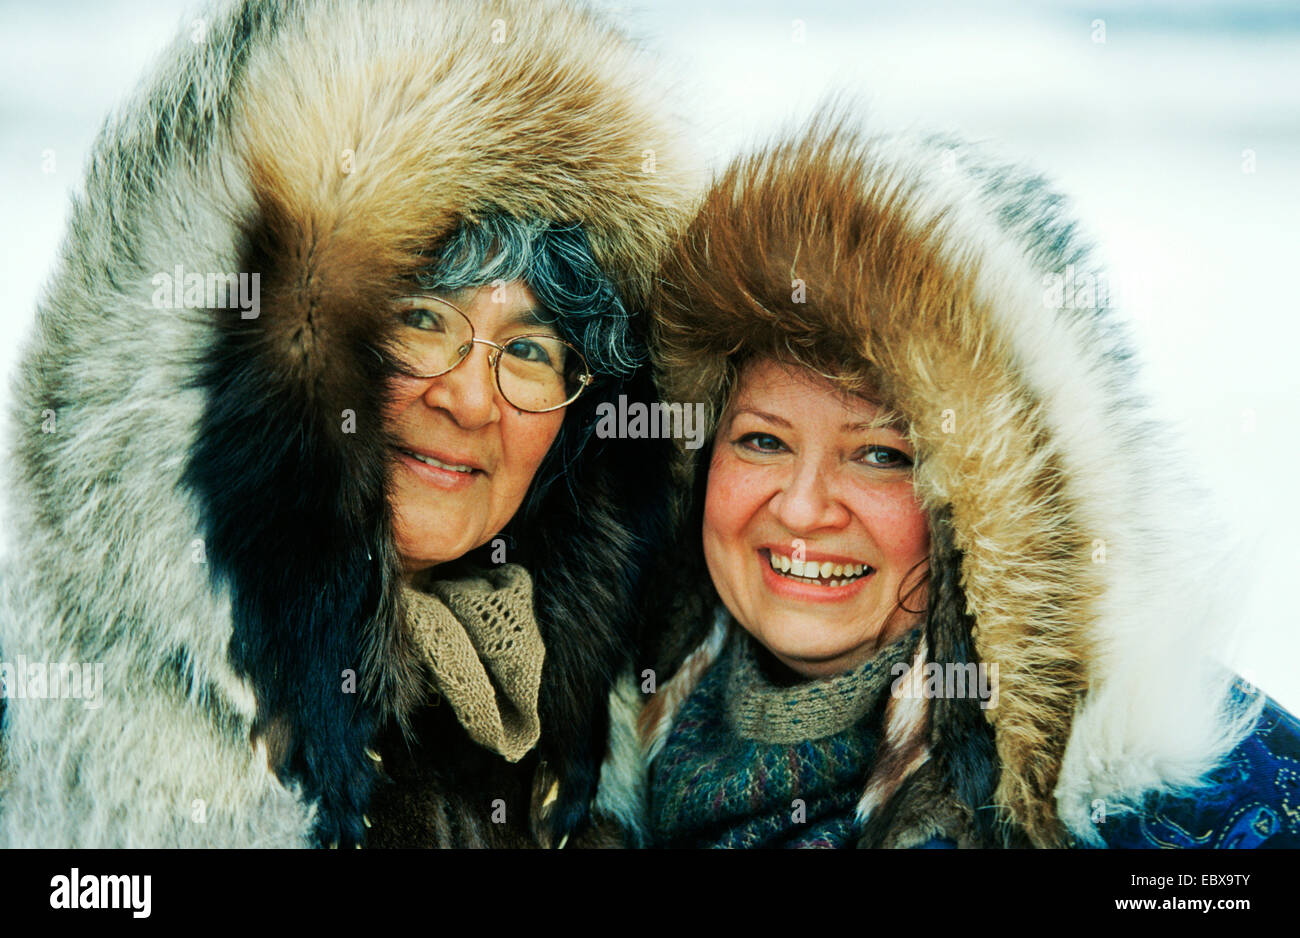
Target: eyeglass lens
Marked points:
535	371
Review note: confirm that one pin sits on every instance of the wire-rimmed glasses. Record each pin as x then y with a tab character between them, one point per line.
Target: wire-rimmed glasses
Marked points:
535	372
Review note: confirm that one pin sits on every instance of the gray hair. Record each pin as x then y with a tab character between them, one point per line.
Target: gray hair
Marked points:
555	261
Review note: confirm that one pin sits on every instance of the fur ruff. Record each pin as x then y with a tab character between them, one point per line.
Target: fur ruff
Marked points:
208	518
924	265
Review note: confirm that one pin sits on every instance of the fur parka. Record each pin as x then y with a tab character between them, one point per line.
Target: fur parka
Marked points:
197	489
1066	545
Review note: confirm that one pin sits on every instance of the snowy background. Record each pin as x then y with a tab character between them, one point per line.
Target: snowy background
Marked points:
1178	137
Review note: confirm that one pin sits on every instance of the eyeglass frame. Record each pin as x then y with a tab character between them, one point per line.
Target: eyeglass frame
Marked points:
585	379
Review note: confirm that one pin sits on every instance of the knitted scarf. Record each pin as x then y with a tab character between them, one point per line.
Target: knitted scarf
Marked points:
751	763
484	651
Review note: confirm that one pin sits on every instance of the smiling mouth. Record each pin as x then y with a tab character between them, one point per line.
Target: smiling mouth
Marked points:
437	463
824	574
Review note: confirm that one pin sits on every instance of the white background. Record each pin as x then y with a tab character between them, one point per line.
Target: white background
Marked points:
1145	131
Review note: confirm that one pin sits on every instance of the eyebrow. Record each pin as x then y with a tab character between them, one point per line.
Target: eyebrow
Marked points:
532	317
770	418
529	316
885	420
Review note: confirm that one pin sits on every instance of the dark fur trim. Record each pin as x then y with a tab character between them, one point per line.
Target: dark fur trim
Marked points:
588	548
682	615
442	789
961	738
295	517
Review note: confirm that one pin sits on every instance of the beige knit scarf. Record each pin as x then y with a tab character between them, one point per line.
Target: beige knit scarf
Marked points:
484	649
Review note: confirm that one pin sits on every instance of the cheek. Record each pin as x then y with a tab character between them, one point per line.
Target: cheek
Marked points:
722	524
735	492
897	523
402	393
526	438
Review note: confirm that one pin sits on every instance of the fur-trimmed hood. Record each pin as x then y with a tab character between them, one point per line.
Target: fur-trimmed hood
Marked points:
1066	546
197	495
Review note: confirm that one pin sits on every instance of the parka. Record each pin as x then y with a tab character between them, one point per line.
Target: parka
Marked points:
1068	547
197	478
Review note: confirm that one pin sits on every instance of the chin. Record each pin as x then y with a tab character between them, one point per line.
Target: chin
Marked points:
814	656
808	648
421	553
415	561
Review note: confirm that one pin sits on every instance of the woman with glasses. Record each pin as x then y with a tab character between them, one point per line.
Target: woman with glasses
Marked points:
305	480
491	411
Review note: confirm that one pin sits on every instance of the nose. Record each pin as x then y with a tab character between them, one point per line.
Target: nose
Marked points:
468	392
806	502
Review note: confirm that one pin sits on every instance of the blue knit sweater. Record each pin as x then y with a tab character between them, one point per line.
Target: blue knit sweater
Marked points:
751	763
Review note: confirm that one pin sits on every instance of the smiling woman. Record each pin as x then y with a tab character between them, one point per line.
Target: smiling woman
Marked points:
918	468
364	611
466	454
812	530
472	429
482	389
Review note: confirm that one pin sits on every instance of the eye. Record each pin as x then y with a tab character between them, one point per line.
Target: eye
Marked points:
885	457
531	350
422	318
759	443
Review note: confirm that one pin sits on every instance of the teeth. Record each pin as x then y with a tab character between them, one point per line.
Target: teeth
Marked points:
843	574
430	461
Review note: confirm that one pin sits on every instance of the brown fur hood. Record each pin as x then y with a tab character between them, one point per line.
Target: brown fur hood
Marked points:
1064	547
197	496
